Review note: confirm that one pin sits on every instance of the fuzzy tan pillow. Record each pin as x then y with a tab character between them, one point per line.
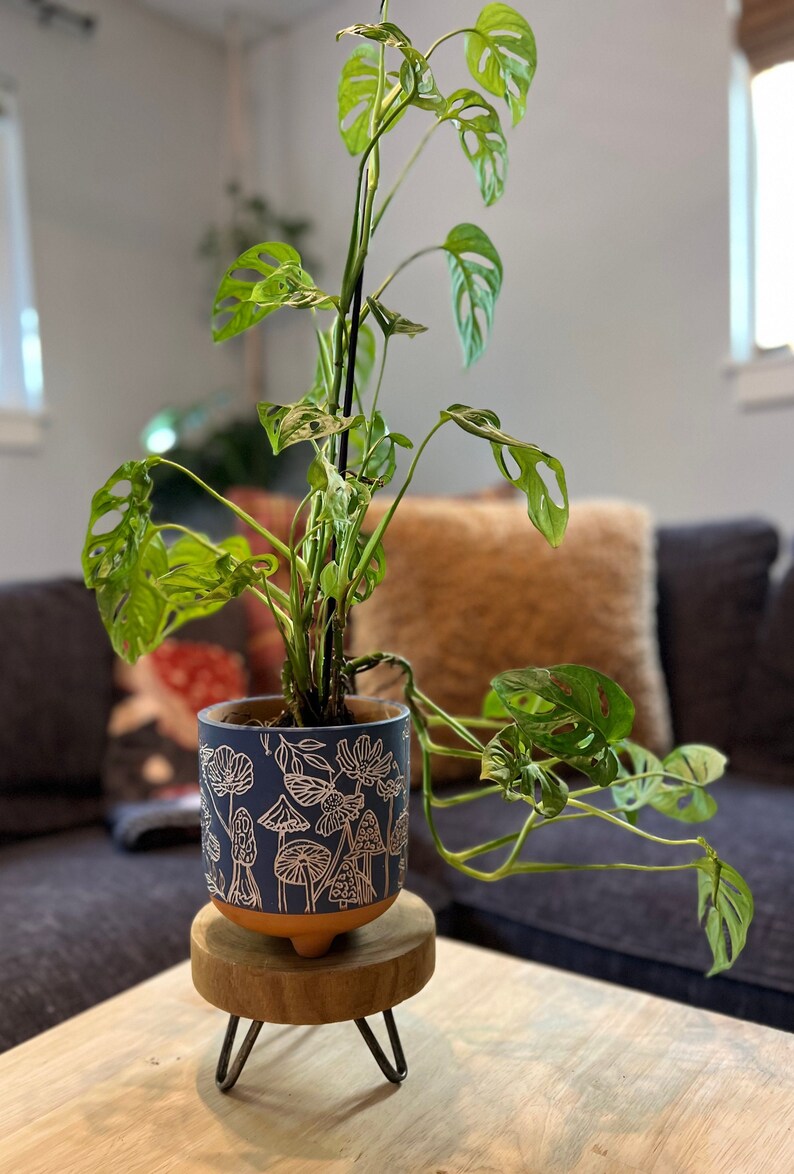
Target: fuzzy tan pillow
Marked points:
472	589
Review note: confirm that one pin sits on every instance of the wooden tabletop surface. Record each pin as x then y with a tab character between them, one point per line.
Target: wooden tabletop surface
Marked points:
513	1066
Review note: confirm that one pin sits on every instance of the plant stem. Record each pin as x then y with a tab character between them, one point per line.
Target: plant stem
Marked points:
588	809
409	164
446	37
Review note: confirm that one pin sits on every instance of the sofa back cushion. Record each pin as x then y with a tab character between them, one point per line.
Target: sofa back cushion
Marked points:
765	738
713	582
472	589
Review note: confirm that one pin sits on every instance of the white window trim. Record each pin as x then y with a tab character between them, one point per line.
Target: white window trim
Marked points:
22	414
757	380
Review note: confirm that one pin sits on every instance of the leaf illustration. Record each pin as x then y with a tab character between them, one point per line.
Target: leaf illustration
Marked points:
306	790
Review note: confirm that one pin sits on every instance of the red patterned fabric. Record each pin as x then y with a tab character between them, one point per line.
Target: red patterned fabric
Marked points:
275	512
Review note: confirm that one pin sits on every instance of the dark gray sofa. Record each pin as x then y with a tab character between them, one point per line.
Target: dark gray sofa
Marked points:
83	919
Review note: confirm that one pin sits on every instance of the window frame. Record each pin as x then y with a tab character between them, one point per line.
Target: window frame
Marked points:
22	410
758	378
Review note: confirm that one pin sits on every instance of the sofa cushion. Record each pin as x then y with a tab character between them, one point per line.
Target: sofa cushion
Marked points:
55	688
472	589
765	739
649	916
713	581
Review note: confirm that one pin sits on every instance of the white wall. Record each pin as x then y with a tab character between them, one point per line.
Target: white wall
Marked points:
613	325
122	140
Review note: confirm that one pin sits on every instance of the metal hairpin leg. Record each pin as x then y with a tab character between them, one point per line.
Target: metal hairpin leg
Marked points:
226	1076
398	1071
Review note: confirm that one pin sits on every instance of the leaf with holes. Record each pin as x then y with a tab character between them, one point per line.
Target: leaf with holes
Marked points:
288	424
475	270
384	33
358	87
507	760
243	300
635	793
586	715
502	56
391	322
686	799
375	450
546	515
418	83
119	522
482	140
725	900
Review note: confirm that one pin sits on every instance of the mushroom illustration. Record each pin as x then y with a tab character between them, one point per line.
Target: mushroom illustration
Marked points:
389	789
230	773
282	818
350	884
398	843
368	843
244	889
302	862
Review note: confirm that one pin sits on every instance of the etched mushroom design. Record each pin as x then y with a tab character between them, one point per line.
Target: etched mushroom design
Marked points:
211	850
350	886
368	843
302	862
389	789
230	773
398	841
282	818
244	889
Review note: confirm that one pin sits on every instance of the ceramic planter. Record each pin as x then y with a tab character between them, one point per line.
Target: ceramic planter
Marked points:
304	831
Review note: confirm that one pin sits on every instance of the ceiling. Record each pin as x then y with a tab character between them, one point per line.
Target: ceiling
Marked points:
257	17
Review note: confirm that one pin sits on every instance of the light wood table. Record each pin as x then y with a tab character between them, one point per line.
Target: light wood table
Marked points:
513	1067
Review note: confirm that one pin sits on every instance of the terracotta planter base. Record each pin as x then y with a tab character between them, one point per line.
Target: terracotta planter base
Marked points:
311	934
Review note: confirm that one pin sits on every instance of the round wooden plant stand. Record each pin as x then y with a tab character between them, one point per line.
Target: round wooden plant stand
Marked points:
367	971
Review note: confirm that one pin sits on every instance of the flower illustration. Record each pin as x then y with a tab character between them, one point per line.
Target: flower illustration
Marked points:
230	773
338	809
390	788
365	763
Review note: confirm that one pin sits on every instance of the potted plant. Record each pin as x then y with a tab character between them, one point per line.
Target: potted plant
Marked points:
305	795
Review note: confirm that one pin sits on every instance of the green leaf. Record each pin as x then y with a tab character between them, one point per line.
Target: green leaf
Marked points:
288	424
341	498
686	799
384	33
243	301
724	898
358	86
119	523
587	713
502	56
373	572
482	140
700	764
546	515
508	762
391	322
417	82
381	457
475	270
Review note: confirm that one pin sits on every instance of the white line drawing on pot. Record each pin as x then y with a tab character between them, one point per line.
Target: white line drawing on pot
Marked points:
302	862
365	763
211	849
243	890
350	884
230	773
368	843
389	789
282	818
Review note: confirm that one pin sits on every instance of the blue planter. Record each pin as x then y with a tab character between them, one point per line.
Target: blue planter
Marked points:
304	831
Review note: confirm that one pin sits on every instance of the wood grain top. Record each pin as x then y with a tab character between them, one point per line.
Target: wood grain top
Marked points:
366	970
513	1067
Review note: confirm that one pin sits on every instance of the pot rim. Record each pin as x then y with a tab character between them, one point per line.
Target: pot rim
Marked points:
203	714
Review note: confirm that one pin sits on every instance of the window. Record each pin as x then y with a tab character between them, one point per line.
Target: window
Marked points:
21	385
762	203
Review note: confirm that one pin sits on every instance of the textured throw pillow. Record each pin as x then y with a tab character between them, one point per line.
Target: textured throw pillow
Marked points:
149	774
265	652
472	589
